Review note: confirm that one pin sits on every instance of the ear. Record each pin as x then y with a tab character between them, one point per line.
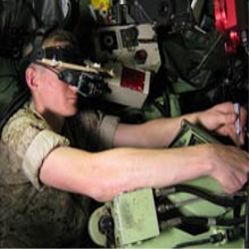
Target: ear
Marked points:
31	75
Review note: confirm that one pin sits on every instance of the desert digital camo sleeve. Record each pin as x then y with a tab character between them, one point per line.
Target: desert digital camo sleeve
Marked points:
31	214
30	137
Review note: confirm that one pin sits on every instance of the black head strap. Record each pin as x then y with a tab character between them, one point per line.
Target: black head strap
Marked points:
67	54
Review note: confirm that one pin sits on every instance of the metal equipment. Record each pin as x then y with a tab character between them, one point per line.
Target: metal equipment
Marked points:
133	45
194	214
231	19
129	86
131	48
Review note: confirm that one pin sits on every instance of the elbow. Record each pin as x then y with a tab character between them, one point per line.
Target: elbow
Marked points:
106	189
100	190
105	181
102	197
102	194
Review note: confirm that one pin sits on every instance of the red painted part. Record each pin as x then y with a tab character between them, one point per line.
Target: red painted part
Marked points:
225	15
133	79
220	15
226	22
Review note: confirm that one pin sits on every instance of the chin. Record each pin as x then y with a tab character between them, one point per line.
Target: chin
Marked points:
70	112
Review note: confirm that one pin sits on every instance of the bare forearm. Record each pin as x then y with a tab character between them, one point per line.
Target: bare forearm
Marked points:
103	175
136	168
155	133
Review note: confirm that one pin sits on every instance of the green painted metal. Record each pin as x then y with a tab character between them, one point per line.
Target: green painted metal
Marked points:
135	217
134	214
173	236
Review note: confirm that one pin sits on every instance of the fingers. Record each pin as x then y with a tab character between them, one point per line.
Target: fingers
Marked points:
228	121
230	118
240	175
232	168
225	107
237	181
227	128
232	133
243	117
243	112
242	137
239	126
228	108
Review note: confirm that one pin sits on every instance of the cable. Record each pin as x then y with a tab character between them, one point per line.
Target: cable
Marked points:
213	221
200	221
224	236
192	243
214	238
216	199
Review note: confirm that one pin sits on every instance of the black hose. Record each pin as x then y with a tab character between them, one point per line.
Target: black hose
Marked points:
192	243
216	199
213	221
214	238
201	221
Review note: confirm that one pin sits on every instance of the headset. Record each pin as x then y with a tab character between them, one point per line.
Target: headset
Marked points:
89	83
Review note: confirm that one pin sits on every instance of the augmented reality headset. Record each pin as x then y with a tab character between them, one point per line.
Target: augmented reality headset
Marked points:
88	80
67	54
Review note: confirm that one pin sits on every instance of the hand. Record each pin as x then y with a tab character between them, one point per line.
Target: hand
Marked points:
230	166
221	119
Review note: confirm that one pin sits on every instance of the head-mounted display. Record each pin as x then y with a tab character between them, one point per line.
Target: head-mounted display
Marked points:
66	54
88	85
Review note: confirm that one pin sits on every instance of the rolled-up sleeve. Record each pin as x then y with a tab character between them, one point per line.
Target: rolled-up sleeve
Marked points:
32	141
42	144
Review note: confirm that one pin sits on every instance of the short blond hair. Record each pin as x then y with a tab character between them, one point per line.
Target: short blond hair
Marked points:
59	36
53	38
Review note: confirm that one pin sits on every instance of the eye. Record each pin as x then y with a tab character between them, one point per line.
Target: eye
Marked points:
68	77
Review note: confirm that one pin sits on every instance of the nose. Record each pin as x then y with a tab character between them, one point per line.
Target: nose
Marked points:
73	88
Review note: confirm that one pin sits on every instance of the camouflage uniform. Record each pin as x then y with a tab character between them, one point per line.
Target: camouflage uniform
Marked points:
31	214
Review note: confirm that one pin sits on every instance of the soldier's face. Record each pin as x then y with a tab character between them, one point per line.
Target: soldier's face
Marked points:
55	95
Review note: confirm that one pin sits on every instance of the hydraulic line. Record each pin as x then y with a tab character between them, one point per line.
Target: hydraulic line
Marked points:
201	221
227	235
192	243
214	238
225	201
213	221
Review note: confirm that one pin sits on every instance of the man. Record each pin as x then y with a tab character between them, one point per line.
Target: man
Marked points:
61	148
